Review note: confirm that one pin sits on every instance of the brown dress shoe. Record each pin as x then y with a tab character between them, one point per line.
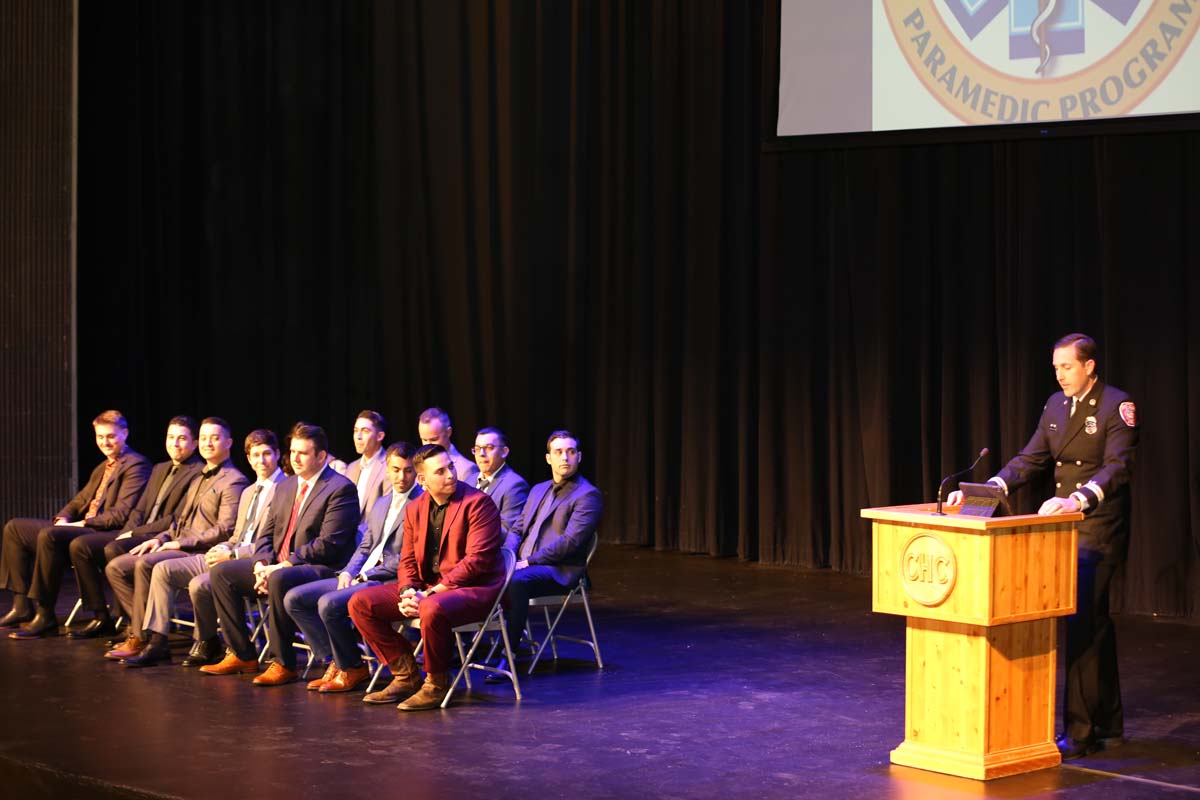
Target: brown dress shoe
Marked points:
129	648
430	695
330	671
231	665
277	675
346	680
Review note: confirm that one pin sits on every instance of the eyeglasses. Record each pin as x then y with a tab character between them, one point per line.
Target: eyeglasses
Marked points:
482	449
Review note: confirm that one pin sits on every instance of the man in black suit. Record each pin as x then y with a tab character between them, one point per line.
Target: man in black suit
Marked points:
497	479
168	485
309	535
556	528
34	551
1088	434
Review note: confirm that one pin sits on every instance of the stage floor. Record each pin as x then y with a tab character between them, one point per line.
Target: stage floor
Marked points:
721	680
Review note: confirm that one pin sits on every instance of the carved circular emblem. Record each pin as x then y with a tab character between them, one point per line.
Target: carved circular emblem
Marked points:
928	569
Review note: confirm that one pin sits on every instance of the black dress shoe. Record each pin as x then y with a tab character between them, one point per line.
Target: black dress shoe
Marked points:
1071	749
14	618
204	653
44	623
101	626
151	654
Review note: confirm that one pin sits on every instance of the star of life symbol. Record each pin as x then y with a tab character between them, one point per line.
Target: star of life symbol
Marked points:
1040	29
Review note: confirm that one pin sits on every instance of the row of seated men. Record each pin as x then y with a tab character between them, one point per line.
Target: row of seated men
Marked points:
406	532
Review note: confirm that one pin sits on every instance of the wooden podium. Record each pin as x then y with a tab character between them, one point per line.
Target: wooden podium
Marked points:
981	597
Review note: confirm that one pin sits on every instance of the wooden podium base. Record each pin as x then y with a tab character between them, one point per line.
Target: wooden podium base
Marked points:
993	765
979	701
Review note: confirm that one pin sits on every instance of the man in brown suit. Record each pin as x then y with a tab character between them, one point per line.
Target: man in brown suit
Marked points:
207	517
451	572
34	551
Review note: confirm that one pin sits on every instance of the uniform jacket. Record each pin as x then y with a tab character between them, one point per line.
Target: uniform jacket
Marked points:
1091	452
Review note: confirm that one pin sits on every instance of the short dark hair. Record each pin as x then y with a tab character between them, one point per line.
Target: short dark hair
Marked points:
499	434
112	417
1085	346
313	433
375	418
184	421
428	451
432	413
562	435
402	449
261	436
218	421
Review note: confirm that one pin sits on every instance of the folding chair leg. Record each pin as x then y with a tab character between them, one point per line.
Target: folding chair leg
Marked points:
587	610
74	610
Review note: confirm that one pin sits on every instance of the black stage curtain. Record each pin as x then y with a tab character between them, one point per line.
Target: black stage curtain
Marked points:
545	214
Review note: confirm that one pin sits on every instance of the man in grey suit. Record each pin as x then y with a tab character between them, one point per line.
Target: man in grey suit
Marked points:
433	426
552	537
168	577
164	495
497	479
368	472
208	516
320	608
35	551
309	535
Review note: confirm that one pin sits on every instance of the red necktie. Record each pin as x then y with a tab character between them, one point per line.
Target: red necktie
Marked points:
285	549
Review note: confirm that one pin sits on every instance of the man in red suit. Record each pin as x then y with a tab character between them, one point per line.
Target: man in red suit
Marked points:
451	572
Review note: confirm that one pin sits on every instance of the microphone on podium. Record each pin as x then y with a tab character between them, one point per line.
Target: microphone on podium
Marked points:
942	485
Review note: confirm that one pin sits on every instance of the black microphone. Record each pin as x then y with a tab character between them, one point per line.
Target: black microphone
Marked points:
942	485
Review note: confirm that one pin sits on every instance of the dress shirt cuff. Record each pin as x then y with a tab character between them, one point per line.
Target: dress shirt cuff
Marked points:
998	481
1082	499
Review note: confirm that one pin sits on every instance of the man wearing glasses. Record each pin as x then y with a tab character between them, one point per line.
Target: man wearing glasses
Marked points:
496	478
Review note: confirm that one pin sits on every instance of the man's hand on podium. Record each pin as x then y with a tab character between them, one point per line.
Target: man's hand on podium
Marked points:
1059	505
955	498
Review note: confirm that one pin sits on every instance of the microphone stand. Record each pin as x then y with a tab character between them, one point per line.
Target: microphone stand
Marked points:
942	485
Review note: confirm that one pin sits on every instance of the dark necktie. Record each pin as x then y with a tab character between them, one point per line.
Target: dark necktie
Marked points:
532	537
285	549
162	492
248	523
482	483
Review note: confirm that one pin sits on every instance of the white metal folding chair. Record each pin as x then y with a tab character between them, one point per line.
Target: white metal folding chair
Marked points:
577	596
492	623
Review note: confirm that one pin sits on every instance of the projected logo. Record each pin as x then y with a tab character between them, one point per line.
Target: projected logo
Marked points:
991	61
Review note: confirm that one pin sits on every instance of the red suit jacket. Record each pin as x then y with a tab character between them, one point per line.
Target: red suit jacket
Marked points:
469	552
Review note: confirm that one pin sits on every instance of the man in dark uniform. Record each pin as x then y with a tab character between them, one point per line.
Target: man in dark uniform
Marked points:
1089	433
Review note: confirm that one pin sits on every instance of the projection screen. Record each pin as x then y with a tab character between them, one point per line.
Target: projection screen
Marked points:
886	65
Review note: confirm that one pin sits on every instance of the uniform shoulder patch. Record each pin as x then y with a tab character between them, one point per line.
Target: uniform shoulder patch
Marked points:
1129	413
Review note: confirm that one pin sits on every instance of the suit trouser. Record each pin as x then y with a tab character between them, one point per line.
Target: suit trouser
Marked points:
233	581
1092	698
129	577
374	610
533	581
90	554
18	552
53	552
320	609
